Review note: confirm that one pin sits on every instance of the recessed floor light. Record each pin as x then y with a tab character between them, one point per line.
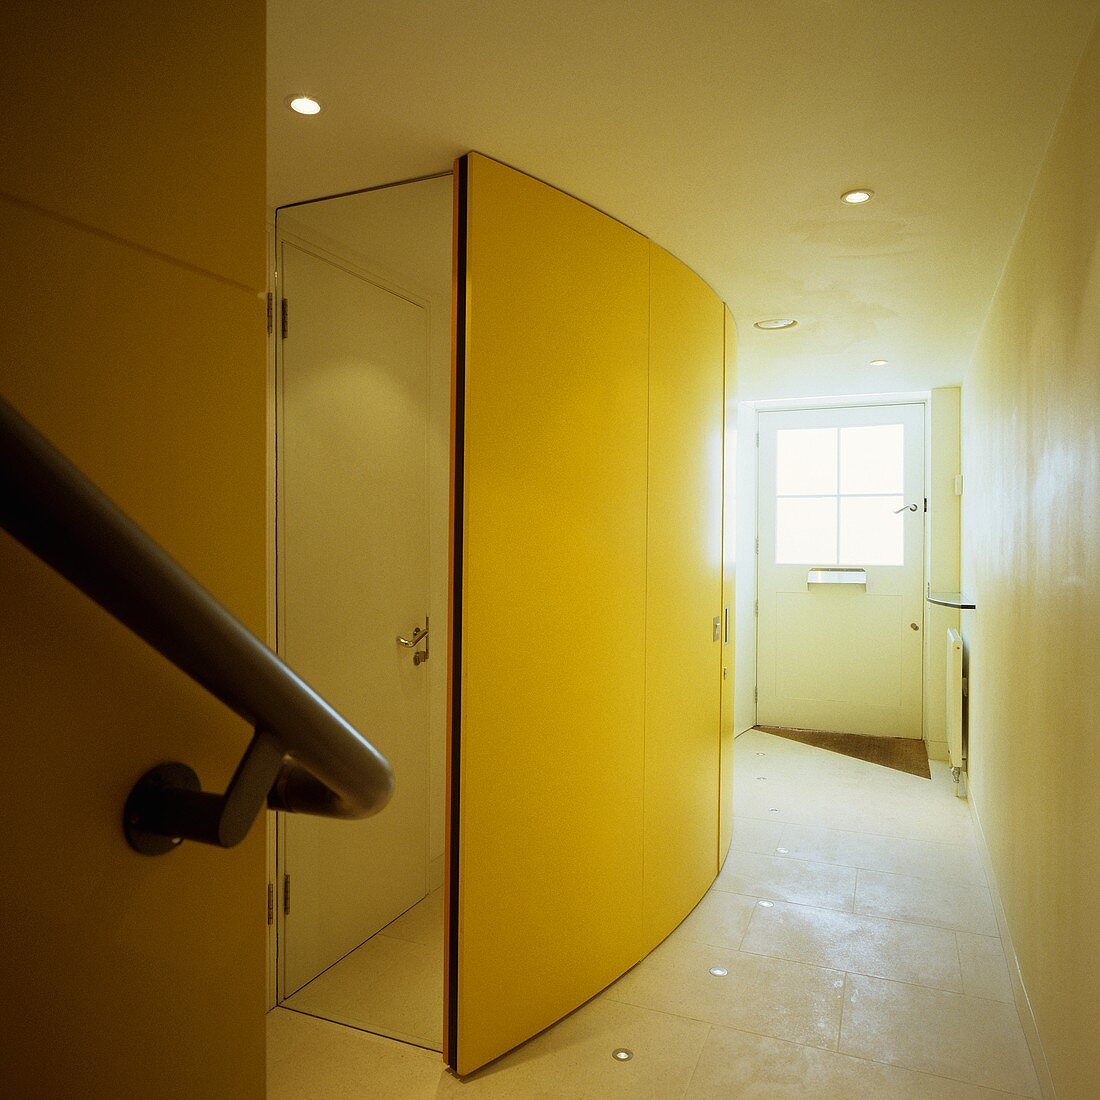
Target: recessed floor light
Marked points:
622	1054
774	810
303	104
767	904
858	196
775	323
719	971
782	851
879	362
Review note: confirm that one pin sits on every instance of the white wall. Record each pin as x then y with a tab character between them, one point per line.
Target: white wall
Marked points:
942	553
744	694
1031	561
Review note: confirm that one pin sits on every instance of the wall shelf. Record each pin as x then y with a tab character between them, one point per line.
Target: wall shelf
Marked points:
950	599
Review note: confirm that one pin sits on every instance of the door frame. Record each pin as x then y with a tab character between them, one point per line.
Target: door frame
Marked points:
276	821
271	820
748	528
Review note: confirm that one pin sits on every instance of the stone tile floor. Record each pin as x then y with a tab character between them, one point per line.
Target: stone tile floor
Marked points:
862	956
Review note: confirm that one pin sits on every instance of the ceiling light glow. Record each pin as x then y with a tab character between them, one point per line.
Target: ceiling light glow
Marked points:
857	196
303	104
776	323
879	362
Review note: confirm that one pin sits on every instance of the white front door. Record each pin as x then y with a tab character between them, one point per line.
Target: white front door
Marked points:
353	571
840	571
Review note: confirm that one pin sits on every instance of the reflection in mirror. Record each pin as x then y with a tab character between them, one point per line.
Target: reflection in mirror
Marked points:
362	465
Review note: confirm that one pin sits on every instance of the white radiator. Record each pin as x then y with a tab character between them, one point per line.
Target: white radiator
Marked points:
955	688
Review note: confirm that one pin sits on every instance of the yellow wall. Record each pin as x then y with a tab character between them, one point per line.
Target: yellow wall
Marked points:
1031	456
683	676
131	208
588	735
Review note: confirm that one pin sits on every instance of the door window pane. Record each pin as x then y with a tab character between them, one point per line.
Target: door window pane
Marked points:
805	461
870	533
805	531
872	459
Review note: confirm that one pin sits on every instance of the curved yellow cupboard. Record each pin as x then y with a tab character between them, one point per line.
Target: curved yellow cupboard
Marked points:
587	619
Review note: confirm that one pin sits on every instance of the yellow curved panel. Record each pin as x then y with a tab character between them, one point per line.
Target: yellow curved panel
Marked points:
684	575
547	819
586	671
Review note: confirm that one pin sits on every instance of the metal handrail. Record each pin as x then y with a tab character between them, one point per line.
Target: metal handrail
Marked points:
304	757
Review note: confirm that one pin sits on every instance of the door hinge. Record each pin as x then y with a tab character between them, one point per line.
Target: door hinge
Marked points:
271	903
756	607
757	545
755	692
926	504
270	311
758	439
284	313
286	895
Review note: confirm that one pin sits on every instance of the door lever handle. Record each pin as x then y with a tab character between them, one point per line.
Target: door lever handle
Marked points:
419	634
905	508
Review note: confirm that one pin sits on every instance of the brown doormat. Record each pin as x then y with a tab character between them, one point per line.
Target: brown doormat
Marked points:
903	754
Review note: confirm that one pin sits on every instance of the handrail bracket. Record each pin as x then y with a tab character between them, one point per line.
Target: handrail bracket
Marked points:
167	805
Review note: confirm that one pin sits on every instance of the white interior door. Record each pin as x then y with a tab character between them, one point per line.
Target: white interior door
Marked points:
353	565
840	572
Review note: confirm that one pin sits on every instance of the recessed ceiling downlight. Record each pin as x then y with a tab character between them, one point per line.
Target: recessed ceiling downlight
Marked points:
879	362
776	323
303	104
857	196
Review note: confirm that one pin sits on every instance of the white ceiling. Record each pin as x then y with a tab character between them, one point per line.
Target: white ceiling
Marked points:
725	130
